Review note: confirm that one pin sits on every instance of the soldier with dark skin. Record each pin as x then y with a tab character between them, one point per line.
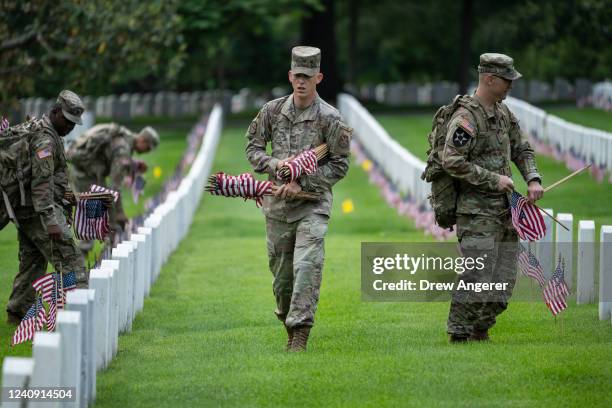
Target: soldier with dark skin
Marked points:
483	138
296	228
44	232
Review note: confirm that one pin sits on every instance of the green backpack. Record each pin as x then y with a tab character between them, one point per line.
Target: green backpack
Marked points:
443	197
15	168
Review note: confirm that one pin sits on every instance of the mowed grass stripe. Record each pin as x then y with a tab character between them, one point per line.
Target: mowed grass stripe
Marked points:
208	337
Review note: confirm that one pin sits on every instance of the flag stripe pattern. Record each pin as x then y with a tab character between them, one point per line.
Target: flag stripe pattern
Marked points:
303	163
243	185
91	217
33	321
529	265
556	291
526	218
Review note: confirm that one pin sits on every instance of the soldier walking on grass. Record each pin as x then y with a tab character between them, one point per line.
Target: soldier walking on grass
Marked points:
483	138
296	228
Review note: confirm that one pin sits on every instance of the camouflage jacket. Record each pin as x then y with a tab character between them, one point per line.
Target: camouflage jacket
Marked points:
479	147
104	150
277	124
50	176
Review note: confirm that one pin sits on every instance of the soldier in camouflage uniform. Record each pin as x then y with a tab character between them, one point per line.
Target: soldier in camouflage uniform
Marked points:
44	232
296	228
483	138
106	150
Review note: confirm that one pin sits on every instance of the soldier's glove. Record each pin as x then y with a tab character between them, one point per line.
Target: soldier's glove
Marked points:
54	232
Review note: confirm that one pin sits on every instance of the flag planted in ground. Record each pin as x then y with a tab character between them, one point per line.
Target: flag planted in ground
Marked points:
138	185
526	218
529	265
556	291
32	322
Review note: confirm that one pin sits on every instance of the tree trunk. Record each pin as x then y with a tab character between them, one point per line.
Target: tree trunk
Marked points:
318	31
353	59
467	26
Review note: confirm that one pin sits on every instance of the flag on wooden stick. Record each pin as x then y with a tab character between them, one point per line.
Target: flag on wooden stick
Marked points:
526	218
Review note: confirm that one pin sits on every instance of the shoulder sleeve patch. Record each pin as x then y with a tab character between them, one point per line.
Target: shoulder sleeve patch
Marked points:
467	126
461	137
44	153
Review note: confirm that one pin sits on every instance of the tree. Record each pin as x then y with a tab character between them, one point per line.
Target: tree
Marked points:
90	46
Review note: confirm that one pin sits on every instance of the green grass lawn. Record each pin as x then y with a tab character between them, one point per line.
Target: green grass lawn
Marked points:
173	142
590	117
208	336
582	196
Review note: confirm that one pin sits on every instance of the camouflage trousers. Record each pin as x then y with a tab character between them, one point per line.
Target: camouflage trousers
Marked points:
296	252
81	183
495	240
36	249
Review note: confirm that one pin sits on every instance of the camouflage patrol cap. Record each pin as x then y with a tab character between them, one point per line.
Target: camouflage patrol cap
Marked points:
305	60
498	64
71	105
150	136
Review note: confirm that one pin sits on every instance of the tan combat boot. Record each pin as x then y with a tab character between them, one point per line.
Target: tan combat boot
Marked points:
300	338
289	337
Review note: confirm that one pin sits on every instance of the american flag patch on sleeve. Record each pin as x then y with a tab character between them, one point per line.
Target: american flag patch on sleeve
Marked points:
44	153
467	126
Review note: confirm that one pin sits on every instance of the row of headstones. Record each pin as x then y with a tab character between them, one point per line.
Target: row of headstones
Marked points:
129	106
86	337
442	92
171	104
602	95
593	145
582	254
401	166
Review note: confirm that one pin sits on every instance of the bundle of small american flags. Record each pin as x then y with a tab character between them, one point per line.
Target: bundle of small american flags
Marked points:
304	163
248	187
556	291
91	217
526	218
52	289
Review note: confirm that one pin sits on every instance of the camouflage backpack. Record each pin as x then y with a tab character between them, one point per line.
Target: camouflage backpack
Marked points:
15	168
443	197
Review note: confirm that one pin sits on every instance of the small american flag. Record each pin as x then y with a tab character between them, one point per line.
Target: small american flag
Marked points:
91	217
556	291
69	281
45	285
138	185
4	124
530	266
49	284
526	218
32	322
